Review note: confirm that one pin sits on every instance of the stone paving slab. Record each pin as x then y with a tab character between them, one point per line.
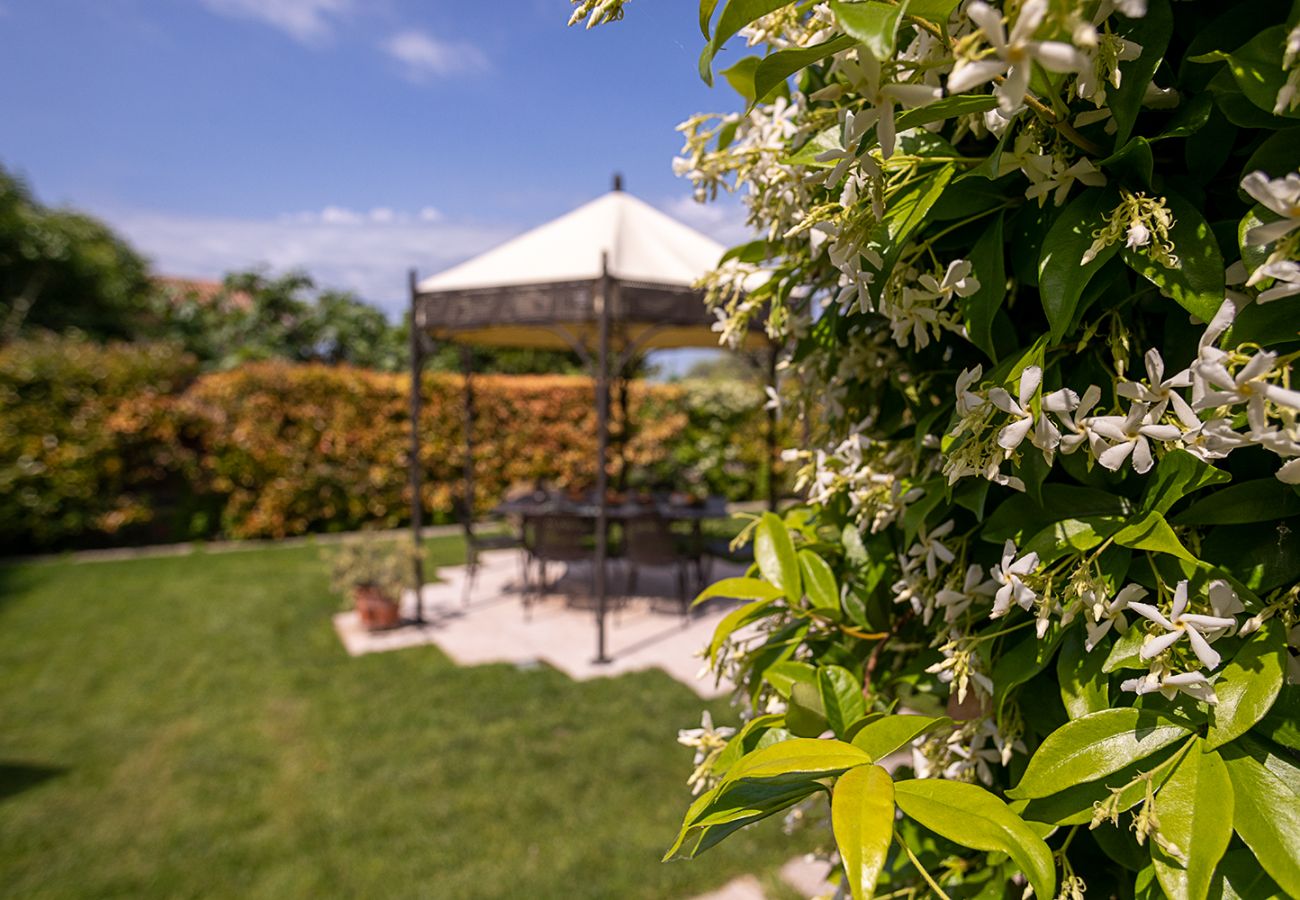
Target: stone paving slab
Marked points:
643	632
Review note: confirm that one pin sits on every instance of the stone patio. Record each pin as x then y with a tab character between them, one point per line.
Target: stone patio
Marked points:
646	631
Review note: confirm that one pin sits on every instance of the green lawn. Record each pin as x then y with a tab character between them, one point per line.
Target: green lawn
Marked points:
191	726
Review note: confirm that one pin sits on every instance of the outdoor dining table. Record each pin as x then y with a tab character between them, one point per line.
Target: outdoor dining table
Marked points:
546	503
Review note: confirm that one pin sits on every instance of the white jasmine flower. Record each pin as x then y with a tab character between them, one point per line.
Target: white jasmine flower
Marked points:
1247	386
930	548
1198	629
967	400
1194	684
954	601
1009	574
1013	54
1129	436
1158	392
864	75
708	742
1078	424
1286	279
1282	196
1009	437
1104	614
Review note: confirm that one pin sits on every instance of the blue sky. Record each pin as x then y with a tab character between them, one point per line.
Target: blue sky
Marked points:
353	138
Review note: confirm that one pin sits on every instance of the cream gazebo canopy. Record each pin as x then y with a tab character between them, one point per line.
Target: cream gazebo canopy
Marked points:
609	280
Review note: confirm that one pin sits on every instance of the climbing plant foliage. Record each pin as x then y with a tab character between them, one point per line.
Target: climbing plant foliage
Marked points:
1036	270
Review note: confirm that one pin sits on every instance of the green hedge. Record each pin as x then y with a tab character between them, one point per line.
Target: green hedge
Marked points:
126	443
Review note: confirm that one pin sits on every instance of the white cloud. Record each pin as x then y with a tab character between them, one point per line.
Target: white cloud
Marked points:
423	55
368	253
306	21
722	219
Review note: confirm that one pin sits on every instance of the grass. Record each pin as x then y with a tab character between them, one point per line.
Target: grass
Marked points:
190	726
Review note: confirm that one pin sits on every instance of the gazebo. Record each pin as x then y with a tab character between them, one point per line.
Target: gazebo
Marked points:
611	279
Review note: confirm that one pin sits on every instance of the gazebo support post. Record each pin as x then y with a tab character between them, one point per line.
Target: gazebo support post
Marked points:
771	435
602	302
413	461
467	513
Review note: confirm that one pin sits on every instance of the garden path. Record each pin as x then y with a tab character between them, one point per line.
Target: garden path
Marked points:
644	632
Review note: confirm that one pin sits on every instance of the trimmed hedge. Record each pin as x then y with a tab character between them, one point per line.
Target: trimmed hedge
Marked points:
126	443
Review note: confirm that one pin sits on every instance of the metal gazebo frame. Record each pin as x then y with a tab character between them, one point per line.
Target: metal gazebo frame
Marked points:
603	320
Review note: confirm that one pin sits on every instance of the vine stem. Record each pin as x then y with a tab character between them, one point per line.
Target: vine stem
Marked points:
934	885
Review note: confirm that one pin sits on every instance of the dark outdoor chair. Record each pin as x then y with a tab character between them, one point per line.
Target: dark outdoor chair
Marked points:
551	539
476	544
650	541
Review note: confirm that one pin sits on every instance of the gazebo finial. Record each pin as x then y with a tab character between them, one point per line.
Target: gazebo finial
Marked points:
618	181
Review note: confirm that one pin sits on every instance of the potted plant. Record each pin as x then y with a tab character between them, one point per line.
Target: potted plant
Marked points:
373	572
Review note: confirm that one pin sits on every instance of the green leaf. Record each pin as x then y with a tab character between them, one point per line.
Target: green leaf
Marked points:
1093	746
1262	555
725	810
775	68
1062	276
798	759
873	24
706	14
988	262
1150	32
1126	654
805	714
1282	723
774	553
1151	532
1195	810
947	108
842	698
1177	475
936	11
741	77
1248	684
1196	283
784	675
819	581
1267	817
1239	877
740	589
1257	67
737	619
735	16
883	736
1260	500
827	139
907	213
1076	804
1084	687
972	817
862	817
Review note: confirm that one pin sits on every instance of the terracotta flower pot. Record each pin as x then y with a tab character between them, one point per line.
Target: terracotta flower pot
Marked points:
377	610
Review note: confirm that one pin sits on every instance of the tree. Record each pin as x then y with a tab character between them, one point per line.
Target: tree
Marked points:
61	270
1036	268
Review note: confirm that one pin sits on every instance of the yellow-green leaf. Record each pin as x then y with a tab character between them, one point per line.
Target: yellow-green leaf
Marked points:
862	817
1195	810
774	553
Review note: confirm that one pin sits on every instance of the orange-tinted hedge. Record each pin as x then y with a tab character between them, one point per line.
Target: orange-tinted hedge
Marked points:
275	449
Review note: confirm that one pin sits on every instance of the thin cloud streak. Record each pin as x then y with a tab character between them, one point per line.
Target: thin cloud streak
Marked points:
367	253
423	56
306	21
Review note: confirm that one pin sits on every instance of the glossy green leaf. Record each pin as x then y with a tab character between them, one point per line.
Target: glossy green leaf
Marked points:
1239	877
883	736
775	68
1095	745
1260	500
1151	532
907	213
774	553
1176	475
872	23
805	713
1150	32
842	698
971	816
1125	654
1196	283
1076	804
798	759
1084	686
1257	67
784	675
862	817
727	809
989	265
1267	817
1062	274
736	14
936	11
741	77
819	581
1282	723
1195	810
1249	684
706	15
740	589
